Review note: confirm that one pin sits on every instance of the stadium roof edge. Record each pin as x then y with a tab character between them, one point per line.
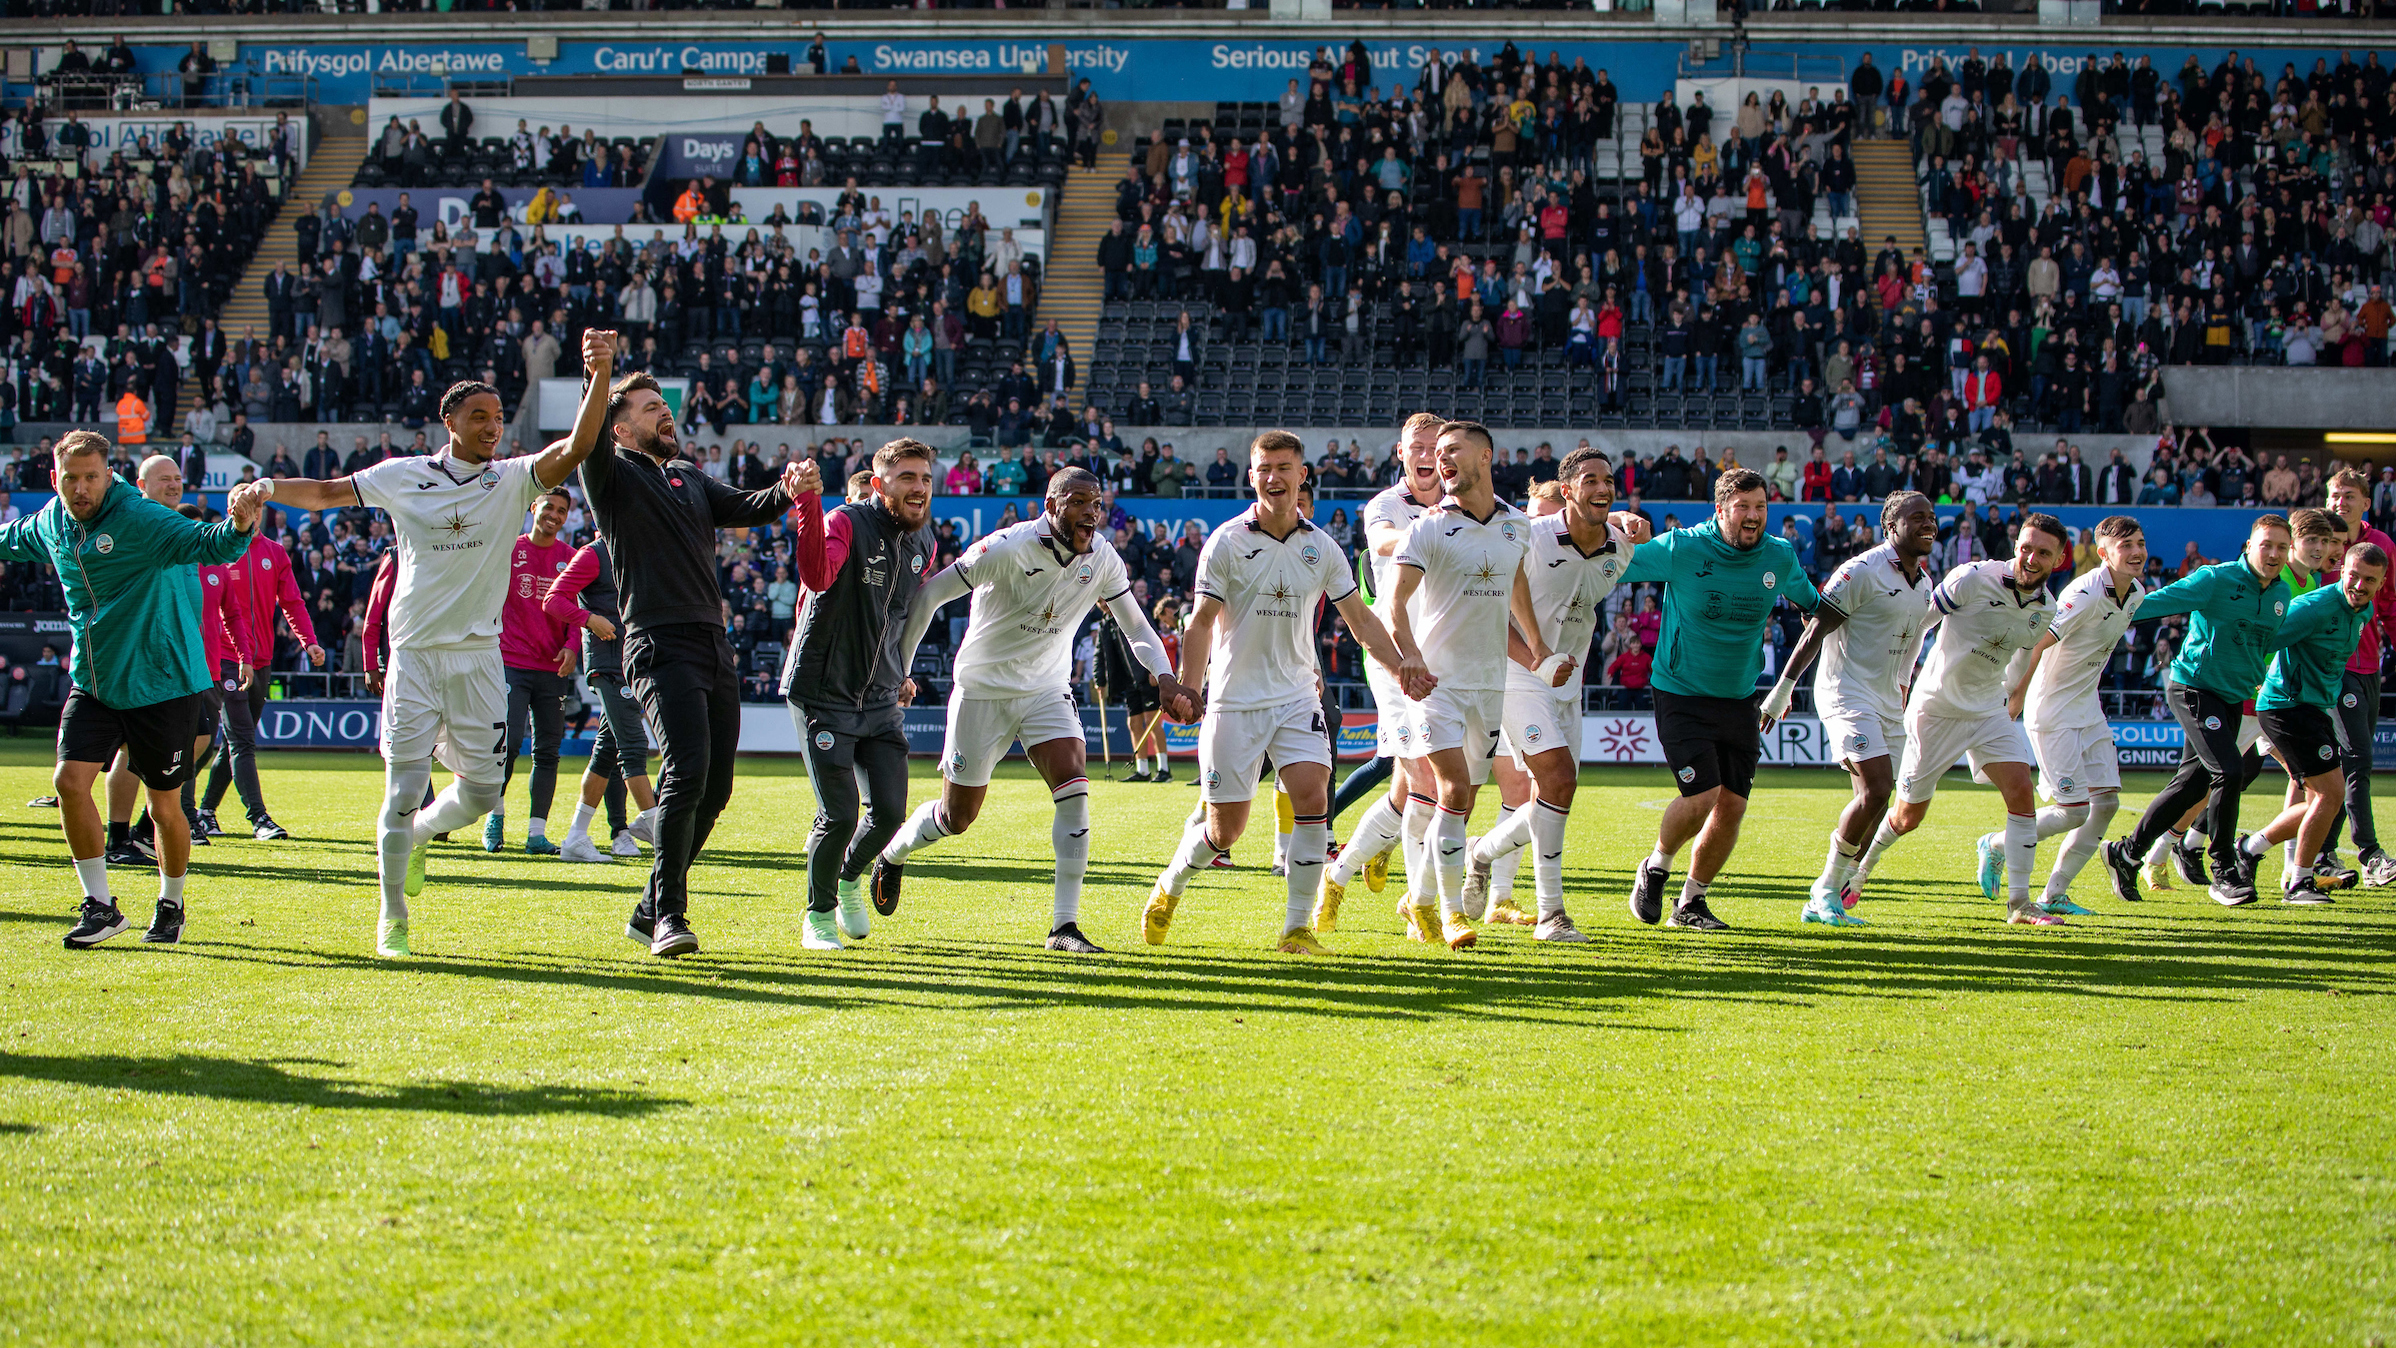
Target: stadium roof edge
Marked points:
1064	25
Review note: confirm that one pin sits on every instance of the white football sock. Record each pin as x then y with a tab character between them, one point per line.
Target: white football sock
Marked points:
1838	869
1307	844
1547	856
1197	852
170	888
460	804
1447	847
1882	841
2081	847
2021	853
536	828
1513	833
1501	876
92	873
1422	884
2056	819
1693	889
1657	860
2256	845
922	829
394	838
1376	832
1070	835
581	827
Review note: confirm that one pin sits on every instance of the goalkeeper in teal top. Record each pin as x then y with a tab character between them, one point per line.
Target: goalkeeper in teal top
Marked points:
1721	580
133	606
2299	711
2234	613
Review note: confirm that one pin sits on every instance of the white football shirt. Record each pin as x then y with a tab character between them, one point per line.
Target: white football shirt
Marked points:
457	524
1865	663
1567	584
1397	508
1029	597
2088	627
1264	653
1462	604
1984	622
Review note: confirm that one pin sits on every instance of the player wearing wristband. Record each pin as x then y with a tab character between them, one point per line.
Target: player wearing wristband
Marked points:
1868	631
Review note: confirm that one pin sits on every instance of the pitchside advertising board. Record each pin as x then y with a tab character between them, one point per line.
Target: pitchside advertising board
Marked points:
1130	69
1606	737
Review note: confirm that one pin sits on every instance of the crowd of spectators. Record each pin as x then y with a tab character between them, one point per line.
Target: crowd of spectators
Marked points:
117	266
1484	219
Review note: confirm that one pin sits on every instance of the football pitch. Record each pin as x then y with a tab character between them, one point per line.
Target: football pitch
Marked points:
2167	1124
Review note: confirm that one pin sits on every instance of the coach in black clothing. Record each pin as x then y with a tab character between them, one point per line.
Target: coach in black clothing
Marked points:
659	513
849	678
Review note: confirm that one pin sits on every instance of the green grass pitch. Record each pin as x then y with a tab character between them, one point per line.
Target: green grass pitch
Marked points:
2163	1125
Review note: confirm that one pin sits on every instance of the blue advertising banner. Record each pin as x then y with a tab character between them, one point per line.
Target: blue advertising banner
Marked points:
1253	70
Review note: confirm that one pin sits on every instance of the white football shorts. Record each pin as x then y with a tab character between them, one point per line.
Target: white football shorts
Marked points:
450	705
981	728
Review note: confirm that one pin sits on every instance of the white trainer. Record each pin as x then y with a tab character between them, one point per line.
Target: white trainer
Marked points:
644	826
579	847
625	846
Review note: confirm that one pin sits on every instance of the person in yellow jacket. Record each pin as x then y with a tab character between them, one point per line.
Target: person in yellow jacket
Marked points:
132	419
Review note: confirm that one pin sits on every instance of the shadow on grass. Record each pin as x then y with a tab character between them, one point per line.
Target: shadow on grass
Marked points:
19	1129
268	1081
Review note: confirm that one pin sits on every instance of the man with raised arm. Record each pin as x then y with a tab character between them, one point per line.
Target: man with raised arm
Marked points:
454	515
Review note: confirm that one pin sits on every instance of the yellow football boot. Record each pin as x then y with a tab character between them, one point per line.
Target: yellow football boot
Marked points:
1326	903
1301	941
1504	913
1422	924
1457	932
1157	917
1376	873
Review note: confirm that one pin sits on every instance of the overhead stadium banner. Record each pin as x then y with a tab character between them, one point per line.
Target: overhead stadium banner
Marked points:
1165	69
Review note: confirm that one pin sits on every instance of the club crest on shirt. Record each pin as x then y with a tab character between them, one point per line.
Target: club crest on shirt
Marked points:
490	478
215	579
104	545
2278	607
1083	574
915	564
1771	580
1511	533
2327	752
1310	554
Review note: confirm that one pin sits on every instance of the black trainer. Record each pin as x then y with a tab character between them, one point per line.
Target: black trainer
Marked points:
2234	886
673	937
1694	915
1141	775
1069	938
2306	893
883	888
100	921
642	925
207	822
267	830
1165	773
1647	893
2188	860
2121	873
167	927
125	854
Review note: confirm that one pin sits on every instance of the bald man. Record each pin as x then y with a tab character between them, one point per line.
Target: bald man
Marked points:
161	479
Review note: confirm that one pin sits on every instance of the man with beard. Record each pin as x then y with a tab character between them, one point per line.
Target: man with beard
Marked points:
865	562
659	513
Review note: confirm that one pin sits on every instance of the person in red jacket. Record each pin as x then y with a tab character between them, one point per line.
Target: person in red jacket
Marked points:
1817	477
263	584
584	597
538	650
